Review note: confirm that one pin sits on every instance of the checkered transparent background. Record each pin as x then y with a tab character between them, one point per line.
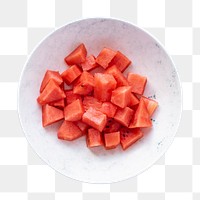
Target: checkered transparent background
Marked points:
176	23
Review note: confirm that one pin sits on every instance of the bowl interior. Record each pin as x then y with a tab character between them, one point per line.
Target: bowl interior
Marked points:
74	159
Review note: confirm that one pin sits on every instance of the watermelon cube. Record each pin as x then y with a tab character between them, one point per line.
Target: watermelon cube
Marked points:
71	74
103	86
119	77
109	109
85	84
89	64
74	111
89	101
51	115
112	140
141	118
105	56
94	138
121	61
137	82
151	105
95	118
129	136
82	126
124	116
59	103
133	100
71	97
111	126
69	131
54	75
52	92
121	96
77	56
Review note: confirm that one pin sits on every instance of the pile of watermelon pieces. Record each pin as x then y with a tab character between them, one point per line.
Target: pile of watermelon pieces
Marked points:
107	108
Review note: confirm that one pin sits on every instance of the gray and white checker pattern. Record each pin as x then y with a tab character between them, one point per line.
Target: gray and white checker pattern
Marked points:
176	23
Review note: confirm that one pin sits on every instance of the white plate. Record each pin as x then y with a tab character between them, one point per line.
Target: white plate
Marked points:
74	159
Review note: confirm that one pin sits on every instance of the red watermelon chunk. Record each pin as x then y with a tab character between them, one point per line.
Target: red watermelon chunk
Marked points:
82	126
77	56
51	115
89	101
137	82
69	131
70	96
141	118
129	137
133	100
112	140
119	77
105	56
124	116
111	126
71	74
94	138
74	111
89	64
121	61
85	84
151	105
95	119
52	92
59	103
121	96
51	75
103	86
108	108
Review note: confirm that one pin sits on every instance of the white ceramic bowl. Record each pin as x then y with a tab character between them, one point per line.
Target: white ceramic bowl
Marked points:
74	159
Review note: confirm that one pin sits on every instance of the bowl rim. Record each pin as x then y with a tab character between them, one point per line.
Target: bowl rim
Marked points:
165	51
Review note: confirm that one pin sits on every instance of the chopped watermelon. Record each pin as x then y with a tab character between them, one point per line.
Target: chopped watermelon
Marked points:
85	84
89	64
69	131
59	103
141	118
74	111
111	126
119	77
71	74
70	96
112	140
121	61
124	116
52	92
94	138
137	82
105	56
121	96
77	56
51	115
89	101
129	136
151	105
108	108
95	119
103	86
82	126
51	75
133	100
102	103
